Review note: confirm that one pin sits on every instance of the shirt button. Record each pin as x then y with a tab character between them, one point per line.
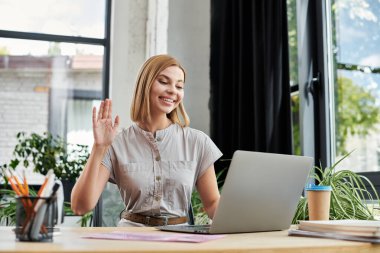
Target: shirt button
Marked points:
158	139
157	198
158	178
158	158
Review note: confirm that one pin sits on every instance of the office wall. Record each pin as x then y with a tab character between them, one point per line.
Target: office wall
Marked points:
128	46
188	40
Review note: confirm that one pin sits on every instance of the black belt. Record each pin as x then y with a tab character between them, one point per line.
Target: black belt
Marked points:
153	220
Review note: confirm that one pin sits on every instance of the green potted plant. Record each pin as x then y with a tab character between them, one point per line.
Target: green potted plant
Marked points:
348	196
44	152
7	207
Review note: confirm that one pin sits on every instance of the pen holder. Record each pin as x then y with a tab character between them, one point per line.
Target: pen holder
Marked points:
35	218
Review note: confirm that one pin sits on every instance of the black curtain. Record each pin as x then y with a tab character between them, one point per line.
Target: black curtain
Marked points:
250	92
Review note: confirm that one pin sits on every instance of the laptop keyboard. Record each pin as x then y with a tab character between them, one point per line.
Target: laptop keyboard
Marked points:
204	229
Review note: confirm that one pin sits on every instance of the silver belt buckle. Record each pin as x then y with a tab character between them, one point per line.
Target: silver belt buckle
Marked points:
165	220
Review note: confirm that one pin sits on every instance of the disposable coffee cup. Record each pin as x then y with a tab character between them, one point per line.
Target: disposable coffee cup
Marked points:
318	200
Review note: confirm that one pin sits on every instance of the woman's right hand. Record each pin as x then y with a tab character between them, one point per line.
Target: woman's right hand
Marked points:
103	128
92	180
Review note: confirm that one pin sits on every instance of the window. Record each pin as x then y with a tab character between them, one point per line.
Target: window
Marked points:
54	58
357	82
338	77
84	18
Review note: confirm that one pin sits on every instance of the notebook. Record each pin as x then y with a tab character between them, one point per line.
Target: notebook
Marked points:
260	193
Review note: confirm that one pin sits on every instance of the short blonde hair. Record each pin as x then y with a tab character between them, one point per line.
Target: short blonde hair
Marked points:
140	108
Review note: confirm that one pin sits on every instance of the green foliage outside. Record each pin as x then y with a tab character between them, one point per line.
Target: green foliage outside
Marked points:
292	40
295	107
357	112
293	71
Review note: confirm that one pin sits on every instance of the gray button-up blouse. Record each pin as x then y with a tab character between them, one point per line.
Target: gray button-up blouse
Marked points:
156	175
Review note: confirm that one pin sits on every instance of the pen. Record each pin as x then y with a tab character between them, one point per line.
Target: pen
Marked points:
37	221
50	172
40	215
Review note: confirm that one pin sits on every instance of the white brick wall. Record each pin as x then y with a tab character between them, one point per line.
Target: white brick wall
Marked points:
25	106
22	109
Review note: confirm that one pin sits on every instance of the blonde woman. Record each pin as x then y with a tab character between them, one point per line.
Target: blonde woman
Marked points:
156	162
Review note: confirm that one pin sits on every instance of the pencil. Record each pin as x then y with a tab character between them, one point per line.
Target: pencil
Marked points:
26	186
14	187
20	186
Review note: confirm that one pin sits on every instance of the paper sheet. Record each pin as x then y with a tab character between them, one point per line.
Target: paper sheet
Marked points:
160	237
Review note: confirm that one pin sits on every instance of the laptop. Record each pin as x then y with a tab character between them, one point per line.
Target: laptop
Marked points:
260	193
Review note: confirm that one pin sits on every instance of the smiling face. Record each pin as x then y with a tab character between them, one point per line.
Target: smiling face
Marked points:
167	91
159	92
